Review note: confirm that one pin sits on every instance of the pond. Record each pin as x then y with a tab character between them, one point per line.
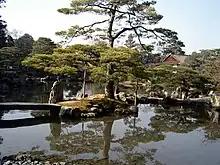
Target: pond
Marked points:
155	136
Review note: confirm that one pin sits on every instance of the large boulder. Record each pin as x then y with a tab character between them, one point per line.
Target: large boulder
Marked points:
70	112
56	93
122	96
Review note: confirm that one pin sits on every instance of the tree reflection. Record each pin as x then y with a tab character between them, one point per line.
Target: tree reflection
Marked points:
184	120
98	137
75	143
1	141
132	147
107	138
129	146
1	114
175	119
211	131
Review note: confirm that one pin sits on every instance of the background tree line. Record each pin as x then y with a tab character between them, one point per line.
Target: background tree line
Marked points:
103	61
14	48
206	61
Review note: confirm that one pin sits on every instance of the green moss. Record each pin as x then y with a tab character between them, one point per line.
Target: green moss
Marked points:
99	99
81	104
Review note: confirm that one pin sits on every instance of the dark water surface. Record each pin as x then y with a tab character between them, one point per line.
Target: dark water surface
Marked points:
154	137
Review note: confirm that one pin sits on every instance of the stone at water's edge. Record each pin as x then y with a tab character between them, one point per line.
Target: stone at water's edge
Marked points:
94	106
215	100
94	111
122	96
28	159
56	93
134	109
69	111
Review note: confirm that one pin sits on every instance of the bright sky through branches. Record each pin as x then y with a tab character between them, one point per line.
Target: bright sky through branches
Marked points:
195	21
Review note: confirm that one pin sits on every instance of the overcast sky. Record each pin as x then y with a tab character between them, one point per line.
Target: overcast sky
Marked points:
196	21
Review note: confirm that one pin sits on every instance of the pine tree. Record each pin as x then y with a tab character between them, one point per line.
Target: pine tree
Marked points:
3	33
25	44
43	46
120	18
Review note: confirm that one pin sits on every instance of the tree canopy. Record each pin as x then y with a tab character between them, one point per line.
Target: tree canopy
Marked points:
198	60
207	62
2	2
93	58
169	77
10	57
119	19
130	42
43	46
25	43
3	36
3	30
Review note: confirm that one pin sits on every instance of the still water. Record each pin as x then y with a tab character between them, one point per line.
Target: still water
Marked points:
155	136
132	140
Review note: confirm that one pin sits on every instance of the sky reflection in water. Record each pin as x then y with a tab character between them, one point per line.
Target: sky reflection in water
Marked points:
149	138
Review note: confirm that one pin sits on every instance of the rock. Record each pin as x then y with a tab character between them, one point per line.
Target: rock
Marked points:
26	160
96	109
56	93
77	112
125	98
127	111
19	157
69	111
8	163
134	109
118	110
89	115
96	105
122	96
47	163
93	109
130	99
65	110
35	162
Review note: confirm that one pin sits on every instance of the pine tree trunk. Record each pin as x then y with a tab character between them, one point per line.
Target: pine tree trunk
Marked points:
84	83
215	118
109	88
55	129
135	95
107	138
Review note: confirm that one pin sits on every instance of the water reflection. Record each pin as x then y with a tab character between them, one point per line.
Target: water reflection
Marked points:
97	139
85	141
174	121
152	137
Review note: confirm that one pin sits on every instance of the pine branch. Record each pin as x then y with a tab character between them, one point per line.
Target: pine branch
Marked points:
109	8
86	26
93	24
